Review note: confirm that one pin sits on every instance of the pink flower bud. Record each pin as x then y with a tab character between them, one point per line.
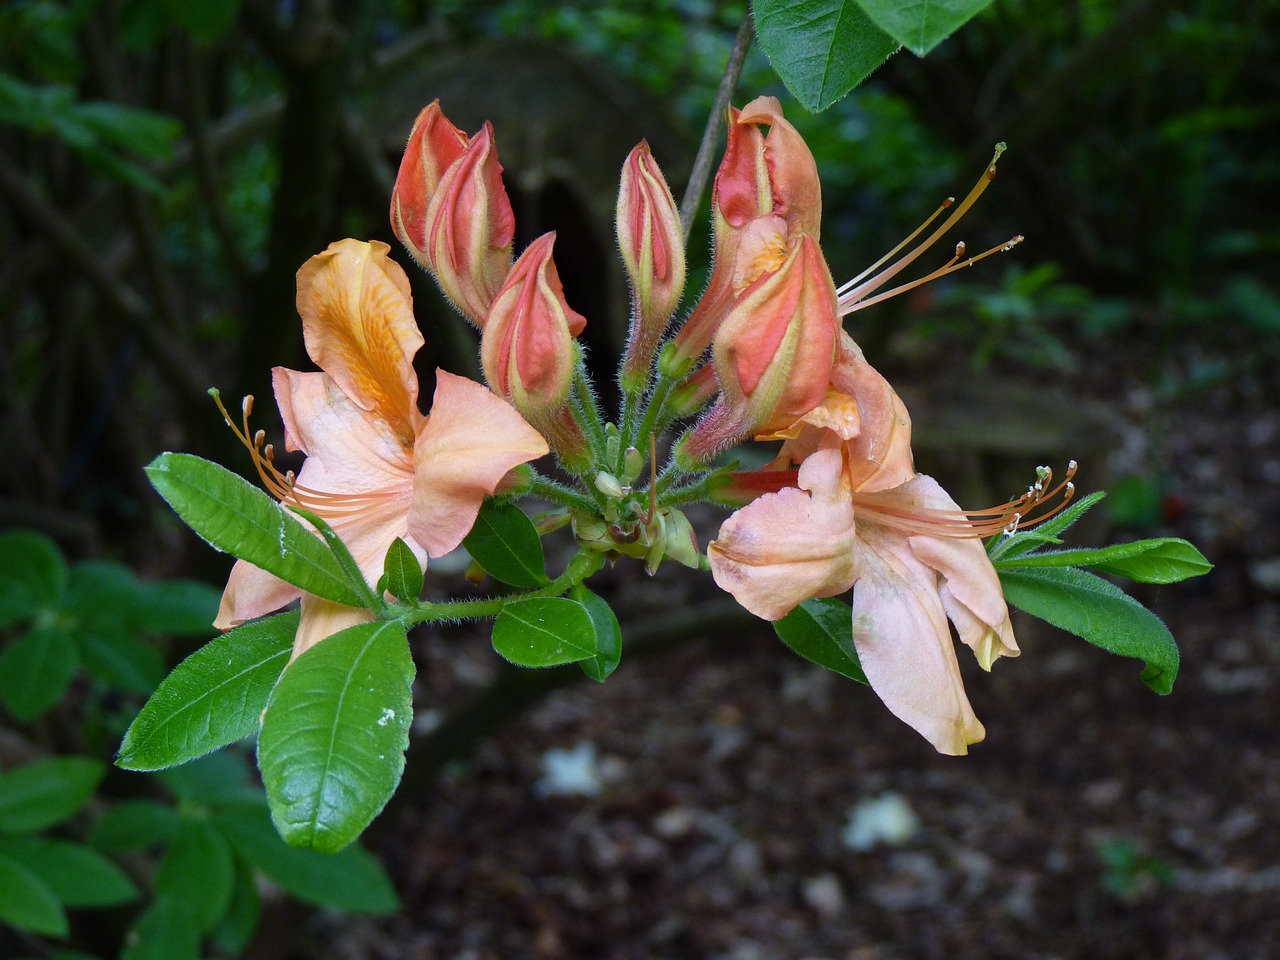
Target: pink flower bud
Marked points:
527	349
434	144
652	243
469	227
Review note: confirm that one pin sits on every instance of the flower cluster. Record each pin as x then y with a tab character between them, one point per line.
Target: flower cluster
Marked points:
760	357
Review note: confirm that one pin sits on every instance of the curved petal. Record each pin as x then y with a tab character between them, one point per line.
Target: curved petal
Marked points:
347	450
789	546
357	321
903	642
252	592
468	444
880	455
793	174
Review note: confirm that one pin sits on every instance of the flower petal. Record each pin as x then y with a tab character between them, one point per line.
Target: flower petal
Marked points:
252	592
789	546
469	443
903	642
323	618
357	320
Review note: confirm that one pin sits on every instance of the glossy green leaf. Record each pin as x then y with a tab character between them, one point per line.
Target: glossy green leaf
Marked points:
1024	541
822	631
46	792
608	635
920	25
166	930
821	49
32	575
332	744
77	875
134	825
505	542
544	632
212	698
1101	613
35	671
27	903
1163	560
238	518
350	879
402	573
197	869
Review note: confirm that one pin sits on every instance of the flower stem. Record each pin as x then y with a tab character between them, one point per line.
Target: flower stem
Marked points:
556	492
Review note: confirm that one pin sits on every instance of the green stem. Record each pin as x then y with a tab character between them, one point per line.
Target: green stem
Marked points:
627	426
583	565
556	492
587	411
651	422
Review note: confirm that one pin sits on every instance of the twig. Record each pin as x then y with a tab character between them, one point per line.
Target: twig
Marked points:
702	162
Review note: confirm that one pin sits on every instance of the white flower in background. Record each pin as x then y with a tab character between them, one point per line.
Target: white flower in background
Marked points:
886	819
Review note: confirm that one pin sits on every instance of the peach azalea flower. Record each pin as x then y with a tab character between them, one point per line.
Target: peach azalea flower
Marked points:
857	515
376	467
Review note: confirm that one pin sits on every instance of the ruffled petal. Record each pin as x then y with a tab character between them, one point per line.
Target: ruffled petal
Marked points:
789	546
903	642
469	443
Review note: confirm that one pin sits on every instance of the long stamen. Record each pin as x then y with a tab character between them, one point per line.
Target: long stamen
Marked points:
852	294
1038	504
284	486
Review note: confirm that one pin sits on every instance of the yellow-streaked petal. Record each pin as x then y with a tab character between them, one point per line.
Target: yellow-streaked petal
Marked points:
357	321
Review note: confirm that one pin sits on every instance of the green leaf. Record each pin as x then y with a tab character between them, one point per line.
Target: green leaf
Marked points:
32	575
166	930
77	875
920	25
544	632
214	779
134	825
240	921
137	131
402	573
350	880
46	792
821	49
27	903
36	670
506	543
1164	560
238	518
1101	613
197	870
822	631
1044	533
212	698
608	635
332	744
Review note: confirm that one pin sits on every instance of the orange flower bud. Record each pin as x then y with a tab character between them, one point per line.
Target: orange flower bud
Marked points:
761	176
527	350
434	144
774	351
469	227
652	243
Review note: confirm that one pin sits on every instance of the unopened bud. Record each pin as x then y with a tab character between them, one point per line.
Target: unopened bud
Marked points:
608	484
651	239
434	144
469	229
632	464
527	349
